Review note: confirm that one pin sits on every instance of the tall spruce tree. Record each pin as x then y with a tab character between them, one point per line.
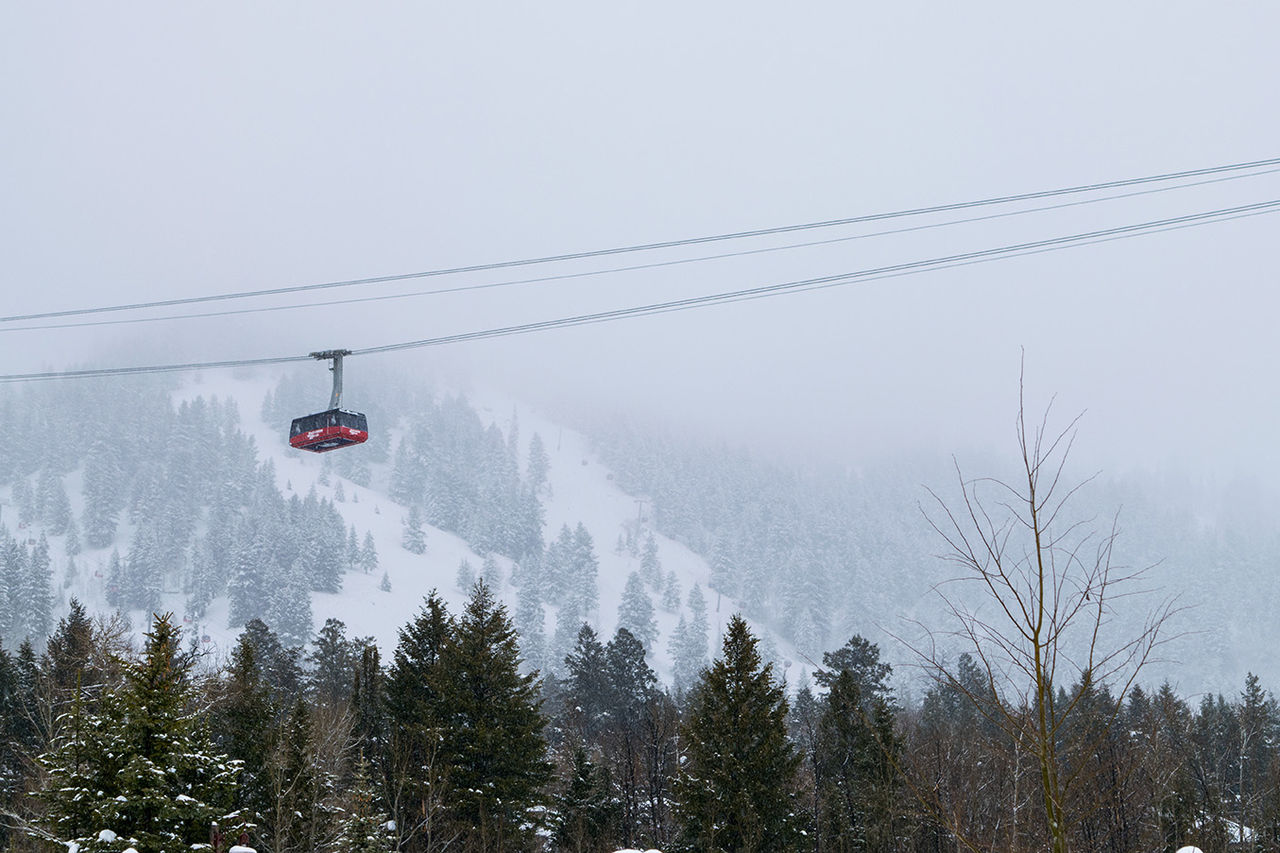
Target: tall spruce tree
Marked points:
414	767
362	828
415	539
492	743
142	768
736	791
635	612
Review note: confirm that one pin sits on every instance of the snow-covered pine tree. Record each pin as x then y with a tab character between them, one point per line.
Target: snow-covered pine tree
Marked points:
585	814
530	622
8	580
248	586
362	828
491	572
671	592
353	548
37	590
685	668
414	721
116	581
415	539
103	494
142	572
368	554
55	507
650	568
466	576
557	566
723	572
585	571
72	546
24	499
539	466
635	612
288	605
142	767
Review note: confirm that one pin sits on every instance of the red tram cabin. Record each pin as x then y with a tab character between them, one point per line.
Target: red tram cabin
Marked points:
329	430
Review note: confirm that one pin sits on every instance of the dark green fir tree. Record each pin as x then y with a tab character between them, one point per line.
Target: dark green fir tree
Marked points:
493	743
736	791
141	771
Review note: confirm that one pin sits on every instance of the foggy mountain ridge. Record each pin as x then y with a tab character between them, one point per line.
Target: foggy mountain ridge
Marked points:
811	556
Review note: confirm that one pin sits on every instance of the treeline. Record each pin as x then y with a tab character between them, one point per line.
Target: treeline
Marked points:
174	496
449	745
803	551
815	553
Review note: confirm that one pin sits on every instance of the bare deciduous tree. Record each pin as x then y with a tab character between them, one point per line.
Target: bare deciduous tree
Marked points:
1044	630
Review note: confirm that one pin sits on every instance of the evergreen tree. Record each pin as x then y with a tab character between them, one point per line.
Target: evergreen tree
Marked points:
279	663
855	780
368	701
142	571
585	569
142	768
416	718
363	829
466	576
491	572
587	684
37	590
539	466
288	606
736	789
300	820
698	624
530	621
103	494
688	656
353	548
671	593
586	816
55	507
244	727
650	568
635	612
332	661
636	738
493	745
116	582
415	539
71	546
368	555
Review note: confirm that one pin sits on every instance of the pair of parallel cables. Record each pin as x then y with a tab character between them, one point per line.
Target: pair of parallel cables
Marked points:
1208	175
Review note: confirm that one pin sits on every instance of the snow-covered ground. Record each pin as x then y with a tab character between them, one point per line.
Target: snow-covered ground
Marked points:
581	490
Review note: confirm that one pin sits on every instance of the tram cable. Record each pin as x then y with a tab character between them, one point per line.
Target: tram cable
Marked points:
891	271
631	268
642	247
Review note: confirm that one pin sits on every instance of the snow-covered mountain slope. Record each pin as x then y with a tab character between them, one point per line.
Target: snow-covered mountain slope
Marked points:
582	490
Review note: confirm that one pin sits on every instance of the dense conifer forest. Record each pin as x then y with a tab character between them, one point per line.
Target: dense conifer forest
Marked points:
494	727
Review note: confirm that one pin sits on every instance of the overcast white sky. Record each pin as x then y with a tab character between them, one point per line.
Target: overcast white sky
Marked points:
158	150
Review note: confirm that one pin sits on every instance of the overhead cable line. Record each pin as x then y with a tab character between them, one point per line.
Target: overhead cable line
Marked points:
119	321
641	247
892	271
